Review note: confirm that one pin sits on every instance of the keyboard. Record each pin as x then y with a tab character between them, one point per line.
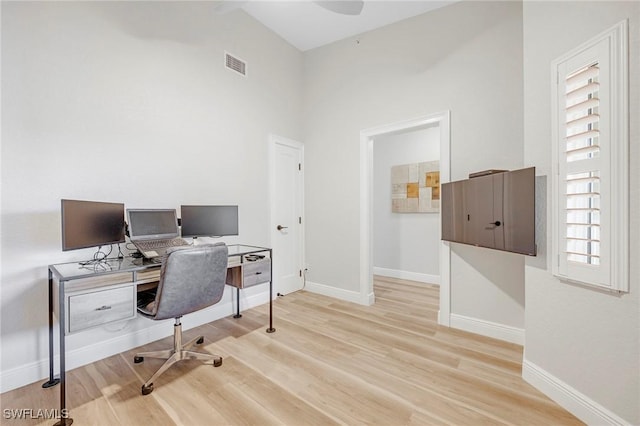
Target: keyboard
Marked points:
155	248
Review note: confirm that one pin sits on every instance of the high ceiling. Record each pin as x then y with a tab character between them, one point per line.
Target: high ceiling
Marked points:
306	25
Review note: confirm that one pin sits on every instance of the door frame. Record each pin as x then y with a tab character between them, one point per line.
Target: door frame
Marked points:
442	119
275	140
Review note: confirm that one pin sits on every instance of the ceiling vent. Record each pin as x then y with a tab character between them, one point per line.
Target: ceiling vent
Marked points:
235	64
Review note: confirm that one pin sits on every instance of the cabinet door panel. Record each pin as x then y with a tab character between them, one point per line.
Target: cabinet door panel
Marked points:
519	212
479	197
454	215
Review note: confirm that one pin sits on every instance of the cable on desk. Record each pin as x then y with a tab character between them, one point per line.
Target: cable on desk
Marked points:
120	253
98	256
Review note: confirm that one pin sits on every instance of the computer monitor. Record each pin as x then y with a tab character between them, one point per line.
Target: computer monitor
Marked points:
152	224
209	221
91	224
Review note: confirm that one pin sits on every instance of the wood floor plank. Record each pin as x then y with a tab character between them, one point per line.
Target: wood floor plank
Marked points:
379	371
121	387
371	334
282	404
315	344
330	362
344	397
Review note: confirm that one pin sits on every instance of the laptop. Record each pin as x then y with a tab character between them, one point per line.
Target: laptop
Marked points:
154	231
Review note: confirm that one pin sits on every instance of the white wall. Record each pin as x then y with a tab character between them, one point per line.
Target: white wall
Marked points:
466	58
405	245
128	102
582	345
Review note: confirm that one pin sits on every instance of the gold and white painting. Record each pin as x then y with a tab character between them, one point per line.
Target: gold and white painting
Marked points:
415	188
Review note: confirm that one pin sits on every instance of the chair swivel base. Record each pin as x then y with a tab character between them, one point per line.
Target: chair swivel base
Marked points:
179	352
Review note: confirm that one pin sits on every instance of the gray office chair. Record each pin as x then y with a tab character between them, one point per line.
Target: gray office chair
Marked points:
190	279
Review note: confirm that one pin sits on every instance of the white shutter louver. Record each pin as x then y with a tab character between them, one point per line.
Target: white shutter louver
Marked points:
582	239
582	114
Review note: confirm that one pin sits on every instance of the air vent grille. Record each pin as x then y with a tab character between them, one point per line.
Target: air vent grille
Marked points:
235	64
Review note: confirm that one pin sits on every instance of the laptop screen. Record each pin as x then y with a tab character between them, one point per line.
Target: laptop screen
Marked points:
152	224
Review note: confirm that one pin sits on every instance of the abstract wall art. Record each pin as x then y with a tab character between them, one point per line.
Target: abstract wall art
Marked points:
415	188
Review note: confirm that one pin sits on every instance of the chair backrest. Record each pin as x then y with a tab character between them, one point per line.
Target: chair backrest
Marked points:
191	279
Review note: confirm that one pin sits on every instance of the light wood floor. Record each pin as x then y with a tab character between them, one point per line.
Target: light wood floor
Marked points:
329	362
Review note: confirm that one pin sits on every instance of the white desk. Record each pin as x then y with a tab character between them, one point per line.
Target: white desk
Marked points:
104	292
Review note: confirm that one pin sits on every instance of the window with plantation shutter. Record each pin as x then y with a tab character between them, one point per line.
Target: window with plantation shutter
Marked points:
590	157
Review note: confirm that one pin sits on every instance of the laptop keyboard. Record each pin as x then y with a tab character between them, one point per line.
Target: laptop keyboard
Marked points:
160	244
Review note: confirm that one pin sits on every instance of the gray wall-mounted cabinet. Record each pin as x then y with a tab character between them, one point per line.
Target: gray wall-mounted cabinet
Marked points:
495	211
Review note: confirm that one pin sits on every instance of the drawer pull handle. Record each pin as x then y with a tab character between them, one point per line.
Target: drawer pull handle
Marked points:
258	273
103	308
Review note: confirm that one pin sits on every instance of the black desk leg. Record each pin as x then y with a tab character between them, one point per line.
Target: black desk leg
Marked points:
238	314
271	329
52	381
65	420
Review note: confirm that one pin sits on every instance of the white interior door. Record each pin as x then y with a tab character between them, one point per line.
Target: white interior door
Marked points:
286	214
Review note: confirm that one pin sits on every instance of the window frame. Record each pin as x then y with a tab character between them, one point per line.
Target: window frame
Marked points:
610	51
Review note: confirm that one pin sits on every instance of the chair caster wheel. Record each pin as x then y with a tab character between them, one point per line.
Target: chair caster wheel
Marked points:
146	390
138	359
200	341
217	362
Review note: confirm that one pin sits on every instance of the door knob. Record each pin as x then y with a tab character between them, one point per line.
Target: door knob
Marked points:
496	223
280	227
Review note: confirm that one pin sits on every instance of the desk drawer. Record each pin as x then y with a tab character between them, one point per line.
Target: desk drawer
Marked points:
91	309
256	272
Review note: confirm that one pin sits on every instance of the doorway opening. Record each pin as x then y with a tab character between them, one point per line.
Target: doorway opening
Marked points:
367	139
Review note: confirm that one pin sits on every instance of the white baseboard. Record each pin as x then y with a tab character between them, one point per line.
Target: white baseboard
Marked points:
488	328
86	354
338	293
406	275
569	398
